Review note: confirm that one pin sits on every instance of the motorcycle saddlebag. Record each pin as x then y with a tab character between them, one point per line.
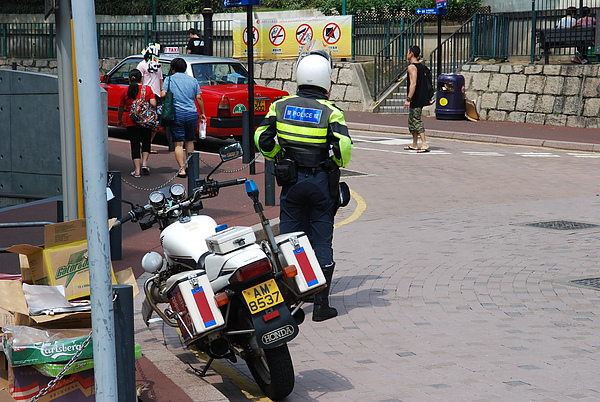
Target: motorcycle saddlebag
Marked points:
193	298
295	249
230	239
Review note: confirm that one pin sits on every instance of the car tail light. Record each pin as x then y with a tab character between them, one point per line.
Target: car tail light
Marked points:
223	109
251	270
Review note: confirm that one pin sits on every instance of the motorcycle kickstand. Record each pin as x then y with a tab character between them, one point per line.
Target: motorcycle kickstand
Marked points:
202	373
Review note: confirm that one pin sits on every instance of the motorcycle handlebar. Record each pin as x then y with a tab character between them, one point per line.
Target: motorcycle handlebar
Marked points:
233	182
135	213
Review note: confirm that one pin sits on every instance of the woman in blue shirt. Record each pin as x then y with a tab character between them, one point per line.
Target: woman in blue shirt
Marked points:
186	96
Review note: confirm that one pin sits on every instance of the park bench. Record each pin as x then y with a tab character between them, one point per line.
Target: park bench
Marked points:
554	38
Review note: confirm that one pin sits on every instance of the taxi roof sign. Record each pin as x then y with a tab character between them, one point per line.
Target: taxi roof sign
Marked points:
171	50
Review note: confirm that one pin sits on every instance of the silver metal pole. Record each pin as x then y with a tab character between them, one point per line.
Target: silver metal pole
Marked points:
66	101
93	143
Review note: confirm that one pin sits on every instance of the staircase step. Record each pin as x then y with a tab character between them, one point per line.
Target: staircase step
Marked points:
392	110
394	102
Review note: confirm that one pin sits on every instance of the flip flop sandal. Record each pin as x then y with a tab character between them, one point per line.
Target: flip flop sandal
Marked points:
421	150
409	148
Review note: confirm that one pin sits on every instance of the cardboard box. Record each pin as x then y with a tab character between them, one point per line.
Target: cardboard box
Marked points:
14	310
63	260
53	369
61	346
26	382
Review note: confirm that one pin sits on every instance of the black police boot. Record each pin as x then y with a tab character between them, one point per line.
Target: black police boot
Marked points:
322	311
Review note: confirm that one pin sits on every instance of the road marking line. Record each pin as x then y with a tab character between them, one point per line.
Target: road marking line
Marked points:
584	155
407	152
361	206
482	153
537	154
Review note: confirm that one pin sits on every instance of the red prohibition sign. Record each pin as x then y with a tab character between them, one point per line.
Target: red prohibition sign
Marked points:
332	33
304	33
254	36
276	35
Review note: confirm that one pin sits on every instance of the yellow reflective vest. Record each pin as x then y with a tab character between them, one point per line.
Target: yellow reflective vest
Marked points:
309	129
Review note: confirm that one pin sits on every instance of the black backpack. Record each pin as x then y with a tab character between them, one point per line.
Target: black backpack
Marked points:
429	84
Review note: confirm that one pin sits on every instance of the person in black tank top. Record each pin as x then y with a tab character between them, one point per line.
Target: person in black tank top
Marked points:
417	98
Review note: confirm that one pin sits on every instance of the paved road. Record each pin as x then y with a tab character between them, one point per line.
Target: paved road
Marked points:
443	290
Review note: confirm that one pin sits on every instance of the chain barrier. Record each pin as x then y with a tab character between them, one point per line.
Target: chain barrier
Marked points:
162	185
233	171
132	185
60	375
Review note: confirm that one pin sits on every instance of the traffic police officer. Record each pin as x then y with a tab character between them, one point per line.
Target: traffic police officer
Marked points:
312	143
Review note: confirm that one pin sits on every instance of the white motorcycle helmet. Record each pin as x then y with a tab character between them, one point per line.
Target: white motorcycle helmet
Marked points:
314	66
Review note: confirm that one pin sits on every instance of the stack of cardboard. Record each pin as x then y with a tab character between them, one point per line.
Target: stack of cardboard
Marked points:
26	368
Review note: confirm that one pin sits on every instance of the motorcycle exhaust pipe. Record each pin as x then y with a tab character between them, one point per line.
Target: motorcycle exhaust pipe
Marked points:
148	287
218	348
298	315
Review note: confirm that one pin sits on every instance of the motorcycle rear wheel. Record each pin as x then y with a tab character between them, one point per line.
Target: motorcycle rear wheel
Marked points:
273	372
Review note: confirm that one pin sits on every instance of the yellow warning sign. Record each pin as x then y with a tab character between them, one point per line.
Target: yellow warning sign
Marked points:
284	38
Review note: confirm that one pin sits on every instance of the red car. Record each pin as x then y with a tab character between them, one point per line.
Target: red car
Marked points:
224	89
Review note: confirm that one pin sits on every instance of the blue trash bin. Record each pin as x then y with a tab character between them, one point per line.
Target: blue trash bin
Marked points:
450	97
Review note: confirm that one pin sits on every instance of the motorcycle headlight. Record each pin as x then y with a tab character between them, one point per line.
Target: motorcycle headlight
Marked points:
152	262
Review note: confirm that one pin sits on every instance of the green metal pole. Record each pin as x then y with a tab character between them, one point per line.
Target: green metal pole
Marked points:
533	24
5	40
154	35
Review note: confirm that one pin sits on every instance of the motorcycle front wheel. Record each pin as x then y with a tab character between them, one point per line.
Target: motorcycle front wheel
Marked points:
273	371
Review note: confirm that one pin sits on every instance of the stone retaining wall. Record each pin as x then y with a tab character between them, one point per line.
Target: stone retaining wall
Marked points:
350	91
560	95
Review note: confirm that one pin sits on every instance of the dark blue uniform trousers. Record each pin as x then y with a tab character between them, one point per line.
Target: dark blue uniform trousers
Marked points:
307	206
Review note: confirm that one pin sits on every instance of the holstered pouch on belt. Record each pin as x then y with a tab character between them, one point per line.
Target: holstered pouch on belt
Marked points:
286	172
334	173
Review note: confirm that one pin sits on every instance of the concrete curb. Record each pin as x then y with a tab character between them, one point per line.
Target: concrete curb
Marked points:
166	361
566	145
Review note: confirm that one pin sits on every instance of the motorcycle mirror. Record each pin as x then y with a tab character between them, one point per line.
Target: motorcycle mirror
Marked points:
230	152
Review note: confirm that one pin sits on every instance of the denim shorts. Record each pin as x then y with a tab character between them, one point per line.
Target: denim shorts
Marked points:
185	126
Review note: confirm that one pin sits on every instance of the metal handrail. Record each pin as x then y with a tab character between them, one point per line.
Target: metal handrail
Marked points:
21	225
390	62
456	51
115	39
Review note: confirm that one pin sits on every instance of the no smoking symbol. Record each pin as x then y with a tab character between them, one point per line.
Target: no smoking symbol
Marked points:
332	33
277	35
303	34
254	35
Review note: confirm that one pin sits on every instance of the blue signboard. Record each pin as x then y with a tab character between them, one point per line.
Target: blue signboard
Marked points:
441	3
431	11
238	3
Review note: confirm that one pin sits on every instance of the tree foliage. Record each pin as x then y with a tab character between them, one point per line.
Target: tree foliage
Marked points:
177	7
329	7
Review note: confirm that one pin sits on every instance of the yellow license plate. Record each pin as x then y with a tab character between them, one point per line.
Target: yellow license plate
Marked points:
259	105
263	296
